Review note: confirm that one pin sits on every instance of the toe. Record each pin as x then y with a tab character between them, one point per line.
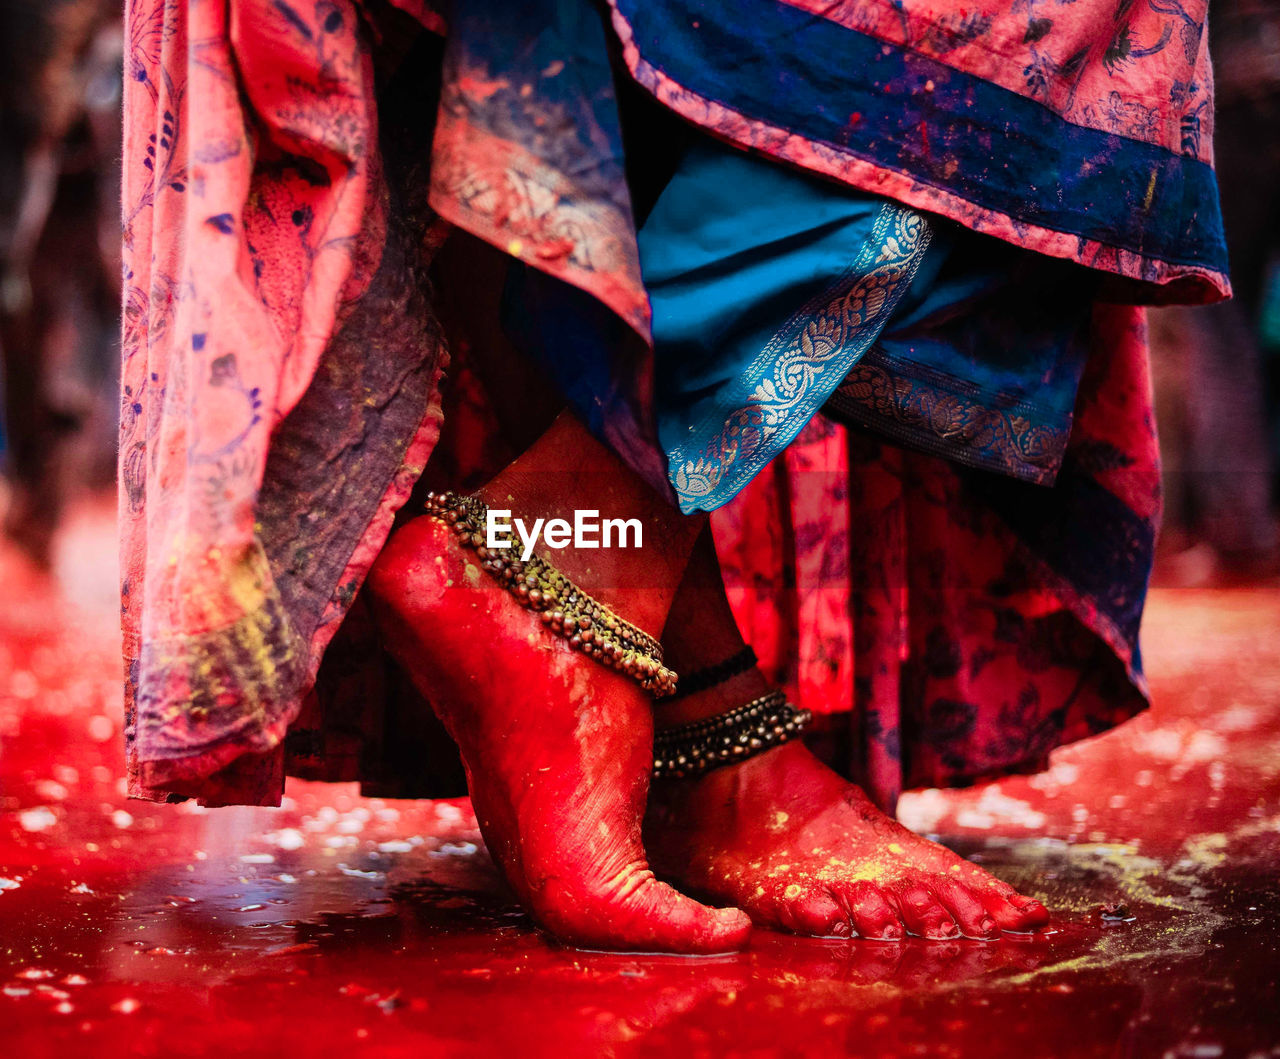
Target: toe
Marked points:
648	916
807	910
818	915
1012	911
966	909
728	930
873	915
680	924
922	913
1028	914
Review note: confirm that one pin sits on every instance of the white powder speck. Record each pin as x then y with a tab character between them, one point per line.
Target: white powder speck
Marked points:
41	818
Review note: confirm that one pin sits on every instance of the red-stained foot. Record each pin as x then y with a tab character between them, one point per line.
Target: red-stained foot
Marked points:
557	750
785	838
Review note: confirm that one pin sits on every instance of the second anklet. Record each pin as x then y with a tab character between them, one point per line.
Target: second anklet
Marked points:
692	749
587	624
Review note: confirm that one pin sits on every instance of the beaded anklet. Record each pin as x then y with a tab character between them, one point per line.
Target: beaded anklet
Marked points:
588	625
692	749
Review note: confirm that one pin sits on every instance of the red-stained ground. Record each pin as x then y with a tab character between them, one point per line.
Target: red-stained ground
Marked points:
339	925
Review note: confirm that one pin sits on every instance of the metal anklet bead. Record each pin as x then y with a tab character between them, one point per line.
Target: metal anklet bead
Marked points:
692	749
585	623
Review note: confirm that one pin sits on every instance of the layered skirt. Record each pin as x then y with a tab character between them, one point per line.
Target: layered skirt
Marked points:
862	280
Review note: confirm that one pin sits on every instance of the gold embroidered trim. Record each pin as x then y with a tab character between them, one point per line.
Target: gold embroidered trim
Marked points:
936	416
802	365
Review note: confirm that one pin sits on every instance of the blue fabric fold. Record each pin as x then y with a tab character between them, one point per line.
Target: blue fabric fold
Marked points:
766	286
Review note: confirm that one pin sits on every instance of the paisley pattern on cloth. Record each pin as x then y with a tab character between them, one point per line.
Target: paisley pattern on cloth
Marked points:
281	370
774	395
539	174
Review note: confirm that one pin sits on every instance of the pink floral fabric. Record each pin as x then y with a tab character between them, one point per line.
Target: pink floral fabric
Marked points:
940	637
275	335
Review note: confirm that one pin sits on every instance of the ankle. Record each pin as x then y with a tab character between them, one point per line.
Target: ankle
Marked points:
636	582
567	471
709	702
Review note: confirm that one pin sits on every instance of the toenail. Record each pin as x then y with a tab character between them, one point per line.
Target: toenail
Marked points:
987	926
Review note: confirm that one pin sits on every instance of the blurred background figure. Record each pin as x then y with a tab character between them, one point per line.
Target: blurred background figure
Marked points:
1218	368
60	69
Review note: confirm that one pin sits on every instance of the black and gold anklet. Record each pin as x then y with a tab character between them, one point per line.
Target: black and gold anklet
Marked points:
588	625
694	748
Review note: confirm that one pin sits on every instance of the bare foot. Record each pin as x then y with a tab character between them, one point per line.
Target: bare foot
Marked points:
801	849
785	838
557	750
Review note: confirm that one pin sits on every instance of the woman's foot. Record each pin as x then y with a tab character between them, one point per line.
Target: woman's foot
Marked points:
557	747
801	849
782	836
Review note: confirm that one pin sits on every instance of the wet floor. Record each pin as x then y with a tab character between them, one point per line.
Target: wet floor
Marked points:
338	924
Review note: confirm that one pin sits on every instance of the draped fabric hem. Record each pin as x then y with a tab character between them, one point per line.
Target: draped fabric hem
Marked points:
516	202
942	415
1175	278
789	379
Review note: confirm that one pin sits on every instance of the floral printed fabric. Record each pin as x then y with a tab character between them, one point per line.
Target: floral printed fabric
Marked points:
948	624
280	373
1079	130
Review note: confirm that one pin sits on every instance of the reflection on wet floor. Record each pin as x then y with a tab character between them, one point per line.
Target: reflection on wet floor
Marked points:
338	922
